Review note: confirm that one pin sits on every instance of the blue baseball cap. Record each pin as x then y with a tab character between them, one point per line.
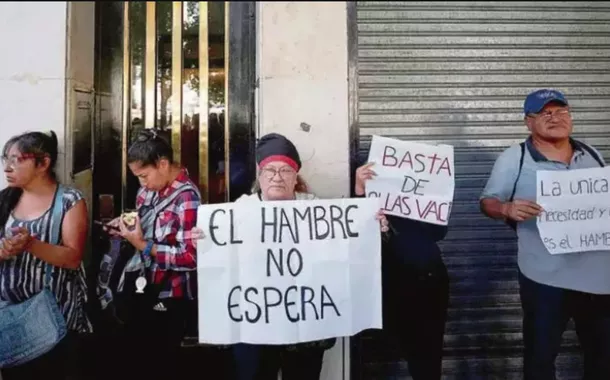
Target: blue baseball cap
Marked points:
536	100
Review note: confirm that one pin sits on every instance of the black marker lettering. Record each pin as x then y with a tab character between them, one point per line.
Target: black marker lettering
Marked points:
233	239
258	309
299	259
319	218
288	304
306	216
268	304
215	227
231	306
264	224
279	264
284	222
329	303
307	296
336	213
350	233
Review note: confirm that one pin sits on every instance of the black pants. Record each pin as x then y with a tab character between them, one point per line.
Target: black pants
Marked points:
151	344
546	312
415	303
262	362
61	363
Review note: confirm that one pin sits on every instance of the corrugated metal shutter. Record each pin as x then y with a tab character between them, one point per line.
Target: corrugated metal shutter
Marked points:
457	73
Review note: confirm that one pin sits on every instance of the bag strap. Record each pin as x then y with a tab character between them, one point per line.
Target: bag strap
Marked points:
169	200
591	152
586	147
512	195
150	217
54	228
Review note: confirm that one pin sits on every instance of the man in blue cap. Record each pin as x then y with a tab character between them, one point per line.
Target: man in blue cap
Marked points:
553	288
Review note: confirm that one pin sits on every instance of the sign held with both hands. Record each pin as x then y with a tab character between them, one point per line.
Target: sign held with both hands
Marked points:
288	271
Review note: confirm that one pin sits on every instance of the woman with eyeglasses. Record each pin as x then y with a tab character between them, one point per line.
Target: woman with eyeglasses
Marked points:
164	262
278	165
32	206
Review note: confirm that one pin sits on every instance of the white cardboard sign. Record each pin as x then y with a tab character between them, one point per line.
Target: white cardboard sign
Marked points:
576	216
414	180
288	271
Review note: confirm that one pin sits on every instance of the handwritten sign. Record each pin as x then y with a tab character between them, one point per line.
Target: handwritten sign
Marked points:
414	180
576	216
288	271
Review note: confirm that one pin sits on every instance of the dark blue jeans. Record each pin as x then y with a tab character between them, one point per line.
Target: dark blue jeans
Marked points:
246	358
264	362
546	312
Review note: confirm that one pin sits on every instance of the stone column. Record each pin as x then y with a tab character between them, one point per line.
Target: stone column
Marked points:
303	94
47	53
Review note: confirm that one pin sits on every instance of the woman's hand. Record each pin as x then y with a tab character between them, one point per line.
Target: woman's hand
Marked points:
17	243
135	236
383	221
197	234
113	223
363	174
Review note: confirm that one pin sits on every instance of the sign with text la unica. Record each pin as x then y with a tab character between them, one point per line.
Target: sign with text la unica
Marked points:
576	210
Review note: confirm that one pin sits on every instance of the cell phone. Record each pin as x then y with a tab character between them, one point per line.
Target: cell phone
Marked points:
101	224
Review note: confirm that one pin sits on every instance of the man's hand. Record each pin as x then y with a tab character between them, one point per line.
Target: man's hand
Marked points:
520	210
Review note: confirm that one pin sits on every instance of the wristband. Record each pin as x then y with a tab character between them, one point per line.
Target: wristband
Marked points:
146	253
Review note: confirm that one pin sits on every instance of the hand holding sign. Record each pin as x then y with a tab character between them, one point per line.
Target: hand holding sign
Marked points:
197	234
520	210
363	174
383	221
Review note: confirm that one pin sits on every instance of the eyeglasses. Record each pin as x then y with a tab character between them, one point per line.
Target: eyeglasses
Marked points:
548	114
13	161
285	172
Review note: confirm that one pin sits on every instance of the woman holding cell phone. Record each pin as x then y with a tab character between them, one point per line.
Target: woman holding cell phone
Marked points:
165	257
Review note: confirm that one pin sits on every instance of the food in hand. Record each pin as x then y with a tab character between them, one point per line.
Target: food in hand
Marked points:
129	218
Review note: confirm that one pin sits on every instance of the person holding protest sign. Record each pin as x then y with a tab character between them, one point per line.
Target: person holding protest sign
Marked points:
279	180
415	288
159	281
554	288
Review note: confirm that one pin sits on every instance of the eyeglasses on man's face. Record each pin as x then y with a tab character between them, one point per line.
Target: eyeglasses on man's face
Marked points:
548	115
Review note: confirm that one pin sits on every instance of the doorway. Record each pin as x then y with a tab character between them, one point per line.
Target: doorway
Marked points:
163	65
186	69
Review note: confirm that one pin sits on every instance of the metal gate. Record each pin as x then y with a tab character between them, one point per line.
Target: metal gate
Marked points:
457	73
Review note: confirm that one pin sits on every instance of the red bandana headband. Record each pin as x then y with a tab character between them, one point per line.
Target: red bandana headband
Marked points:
285	159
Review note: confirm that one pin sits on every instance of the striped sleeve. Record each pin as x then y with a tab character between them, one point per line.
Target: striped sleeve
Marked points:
71	197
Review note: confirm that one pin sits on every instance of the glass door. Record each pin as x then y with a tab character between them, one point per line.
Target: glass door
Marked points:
186	69
175	81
